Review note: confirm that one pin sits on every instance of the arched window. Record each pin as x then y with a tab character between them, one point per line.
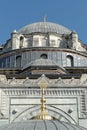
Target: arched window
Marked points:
53	43
44	56
70	62
21	41
43	42
18	61
58	42
36	41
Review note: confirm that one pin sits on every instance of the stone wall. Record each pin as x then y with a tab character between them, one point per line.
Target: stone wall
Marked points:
66	99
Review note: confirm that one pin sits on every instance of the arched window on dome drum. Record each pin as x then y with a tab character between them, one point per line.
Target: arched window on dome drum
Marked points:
44	56
18	61
69	60
43	42
21	41
53	43
58	42
36	41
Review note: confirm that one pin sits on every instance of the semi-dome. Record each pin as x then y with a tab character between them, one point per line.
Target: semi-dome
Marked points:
44	27
41	125
41	62
44	63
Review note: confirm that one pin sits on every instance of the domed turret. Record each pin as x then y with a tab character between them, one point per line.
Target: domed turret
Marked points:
74	36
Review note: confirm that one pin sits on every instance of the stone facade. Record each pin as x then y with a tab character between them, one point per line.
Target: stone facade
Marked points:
44	53
66	99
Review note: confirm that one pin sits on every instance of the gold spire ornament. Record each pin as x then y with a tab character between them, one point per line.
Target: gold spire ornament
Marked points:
43	115
44	19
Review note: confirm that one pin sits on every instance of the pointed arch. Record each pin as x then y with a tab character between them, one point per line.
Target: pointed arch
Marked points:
34	110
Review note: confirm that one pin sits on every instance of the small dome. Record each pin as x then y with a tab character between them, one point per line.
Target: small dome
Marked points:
42	62
41	125
44	27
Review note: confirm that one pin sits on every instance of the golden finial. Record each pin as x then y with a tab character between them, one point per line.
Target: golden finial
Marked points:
45	19
43	115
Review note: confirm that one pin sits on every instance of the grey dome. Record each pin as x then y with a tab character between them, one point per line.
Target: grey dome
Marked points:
41	125
44	27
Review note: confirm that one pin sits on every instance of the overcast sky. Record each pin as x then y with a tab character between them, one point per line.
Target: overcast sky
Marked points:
15	14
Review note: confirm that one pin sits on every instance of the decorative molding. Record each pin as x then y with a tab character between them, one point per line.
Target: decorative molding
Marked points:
50	82
48	92
56	92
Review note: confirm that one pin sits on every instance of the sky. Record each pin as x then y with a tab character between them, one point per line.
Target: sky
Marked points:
15	14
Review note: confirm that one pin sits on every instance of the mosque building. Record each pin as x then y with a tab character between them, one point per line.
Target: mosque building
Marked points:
48	62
